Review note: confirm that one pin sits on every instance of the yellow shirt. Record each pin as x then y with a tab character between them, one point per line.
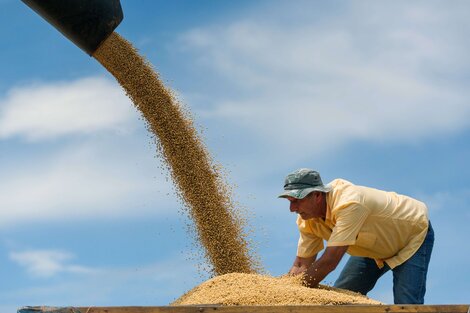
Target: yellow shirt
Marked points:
381	225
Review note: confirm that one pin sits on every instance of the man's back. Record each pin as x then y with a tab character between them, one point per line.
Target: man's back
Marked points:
378	224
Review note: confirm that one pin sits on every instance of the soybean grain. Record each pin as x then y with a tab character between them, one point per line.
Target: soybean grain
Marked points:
199	183
254	289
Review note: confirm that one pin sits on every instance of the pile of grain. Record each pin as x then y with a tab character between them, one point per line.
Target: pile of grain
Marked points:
199	183
254	289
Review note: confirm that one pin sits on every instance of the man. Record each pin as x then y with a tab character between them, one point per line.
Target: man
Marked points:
381	231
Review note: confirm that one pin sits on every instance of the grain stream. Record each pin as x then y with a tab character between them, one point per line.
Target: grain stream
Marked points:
199	183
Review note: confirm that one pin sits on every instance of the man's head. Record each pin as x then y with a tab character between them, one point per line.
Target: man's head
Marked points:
306	193
301	182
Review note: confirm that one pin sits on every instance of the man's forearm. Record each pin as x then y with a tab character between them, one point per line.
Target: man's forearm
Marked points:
317	272
301	265
324	265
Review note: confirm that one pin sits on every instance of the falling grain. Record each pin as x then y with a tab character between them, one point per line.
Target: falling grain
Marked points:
199	182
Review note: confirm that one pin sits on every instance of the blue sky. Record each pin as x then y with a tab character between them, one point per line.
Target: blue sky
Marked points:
375	92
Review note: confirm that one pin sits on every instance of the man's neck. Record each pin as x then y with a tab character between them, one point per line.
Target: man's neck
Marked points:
323	206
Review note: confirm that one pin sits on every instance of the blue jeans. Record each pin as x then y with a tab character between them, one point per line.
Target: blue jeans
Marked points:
409	279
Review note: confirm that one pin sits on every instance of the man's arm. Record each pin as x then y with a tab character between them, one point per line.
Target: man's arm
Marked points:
324	265
301	265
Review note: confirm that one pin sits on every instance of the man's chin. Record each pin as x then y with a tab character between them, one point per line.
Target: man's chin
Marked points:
305	217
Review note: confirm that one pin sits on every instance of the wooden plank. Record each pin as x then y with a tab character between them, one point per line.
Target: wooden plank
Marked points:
259	309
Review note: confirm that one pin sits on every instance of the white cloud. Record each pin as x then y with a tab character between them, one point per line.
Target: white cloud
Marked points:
141	284
47	263
441	201
87	180
384	76
106	172
50	110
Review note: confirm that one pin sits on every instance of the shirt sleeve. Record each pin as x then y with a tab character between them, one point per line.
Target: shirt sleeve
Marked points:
309	244
349	221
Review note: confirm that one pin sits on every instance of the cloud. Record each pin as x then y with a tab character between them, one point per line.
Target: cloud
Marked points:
82	181
100	169
47	263
441	201
388	76
50	110
140	284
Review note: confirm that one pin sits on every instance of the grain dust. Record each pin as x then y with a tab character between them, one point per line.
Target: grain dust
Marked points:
199	183
255	289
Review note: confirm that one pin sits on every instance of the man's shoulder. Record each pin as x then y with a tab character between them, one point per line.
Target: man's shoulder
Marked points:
343	194
340	182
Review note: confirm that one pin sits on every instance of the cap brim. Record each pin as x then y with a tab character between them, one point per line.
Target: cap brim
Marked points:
302	193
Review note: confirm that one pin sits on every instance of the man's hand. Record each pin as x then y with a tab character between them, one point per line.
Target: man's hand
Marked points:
301	265
315	273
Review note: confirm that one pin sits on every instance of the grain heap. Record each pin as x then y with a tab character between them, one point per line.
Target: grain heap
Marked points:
254	289
198	182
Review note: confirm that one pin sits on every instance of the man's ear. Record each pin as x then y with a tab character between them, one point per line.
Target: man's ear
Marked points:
318	196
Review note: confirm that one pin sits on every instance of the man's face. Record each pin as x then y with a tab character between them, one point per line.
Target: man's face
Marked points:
308	207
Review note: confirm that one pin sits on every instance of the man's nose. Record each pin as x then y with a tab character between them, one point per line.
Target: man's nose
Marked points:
293	208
